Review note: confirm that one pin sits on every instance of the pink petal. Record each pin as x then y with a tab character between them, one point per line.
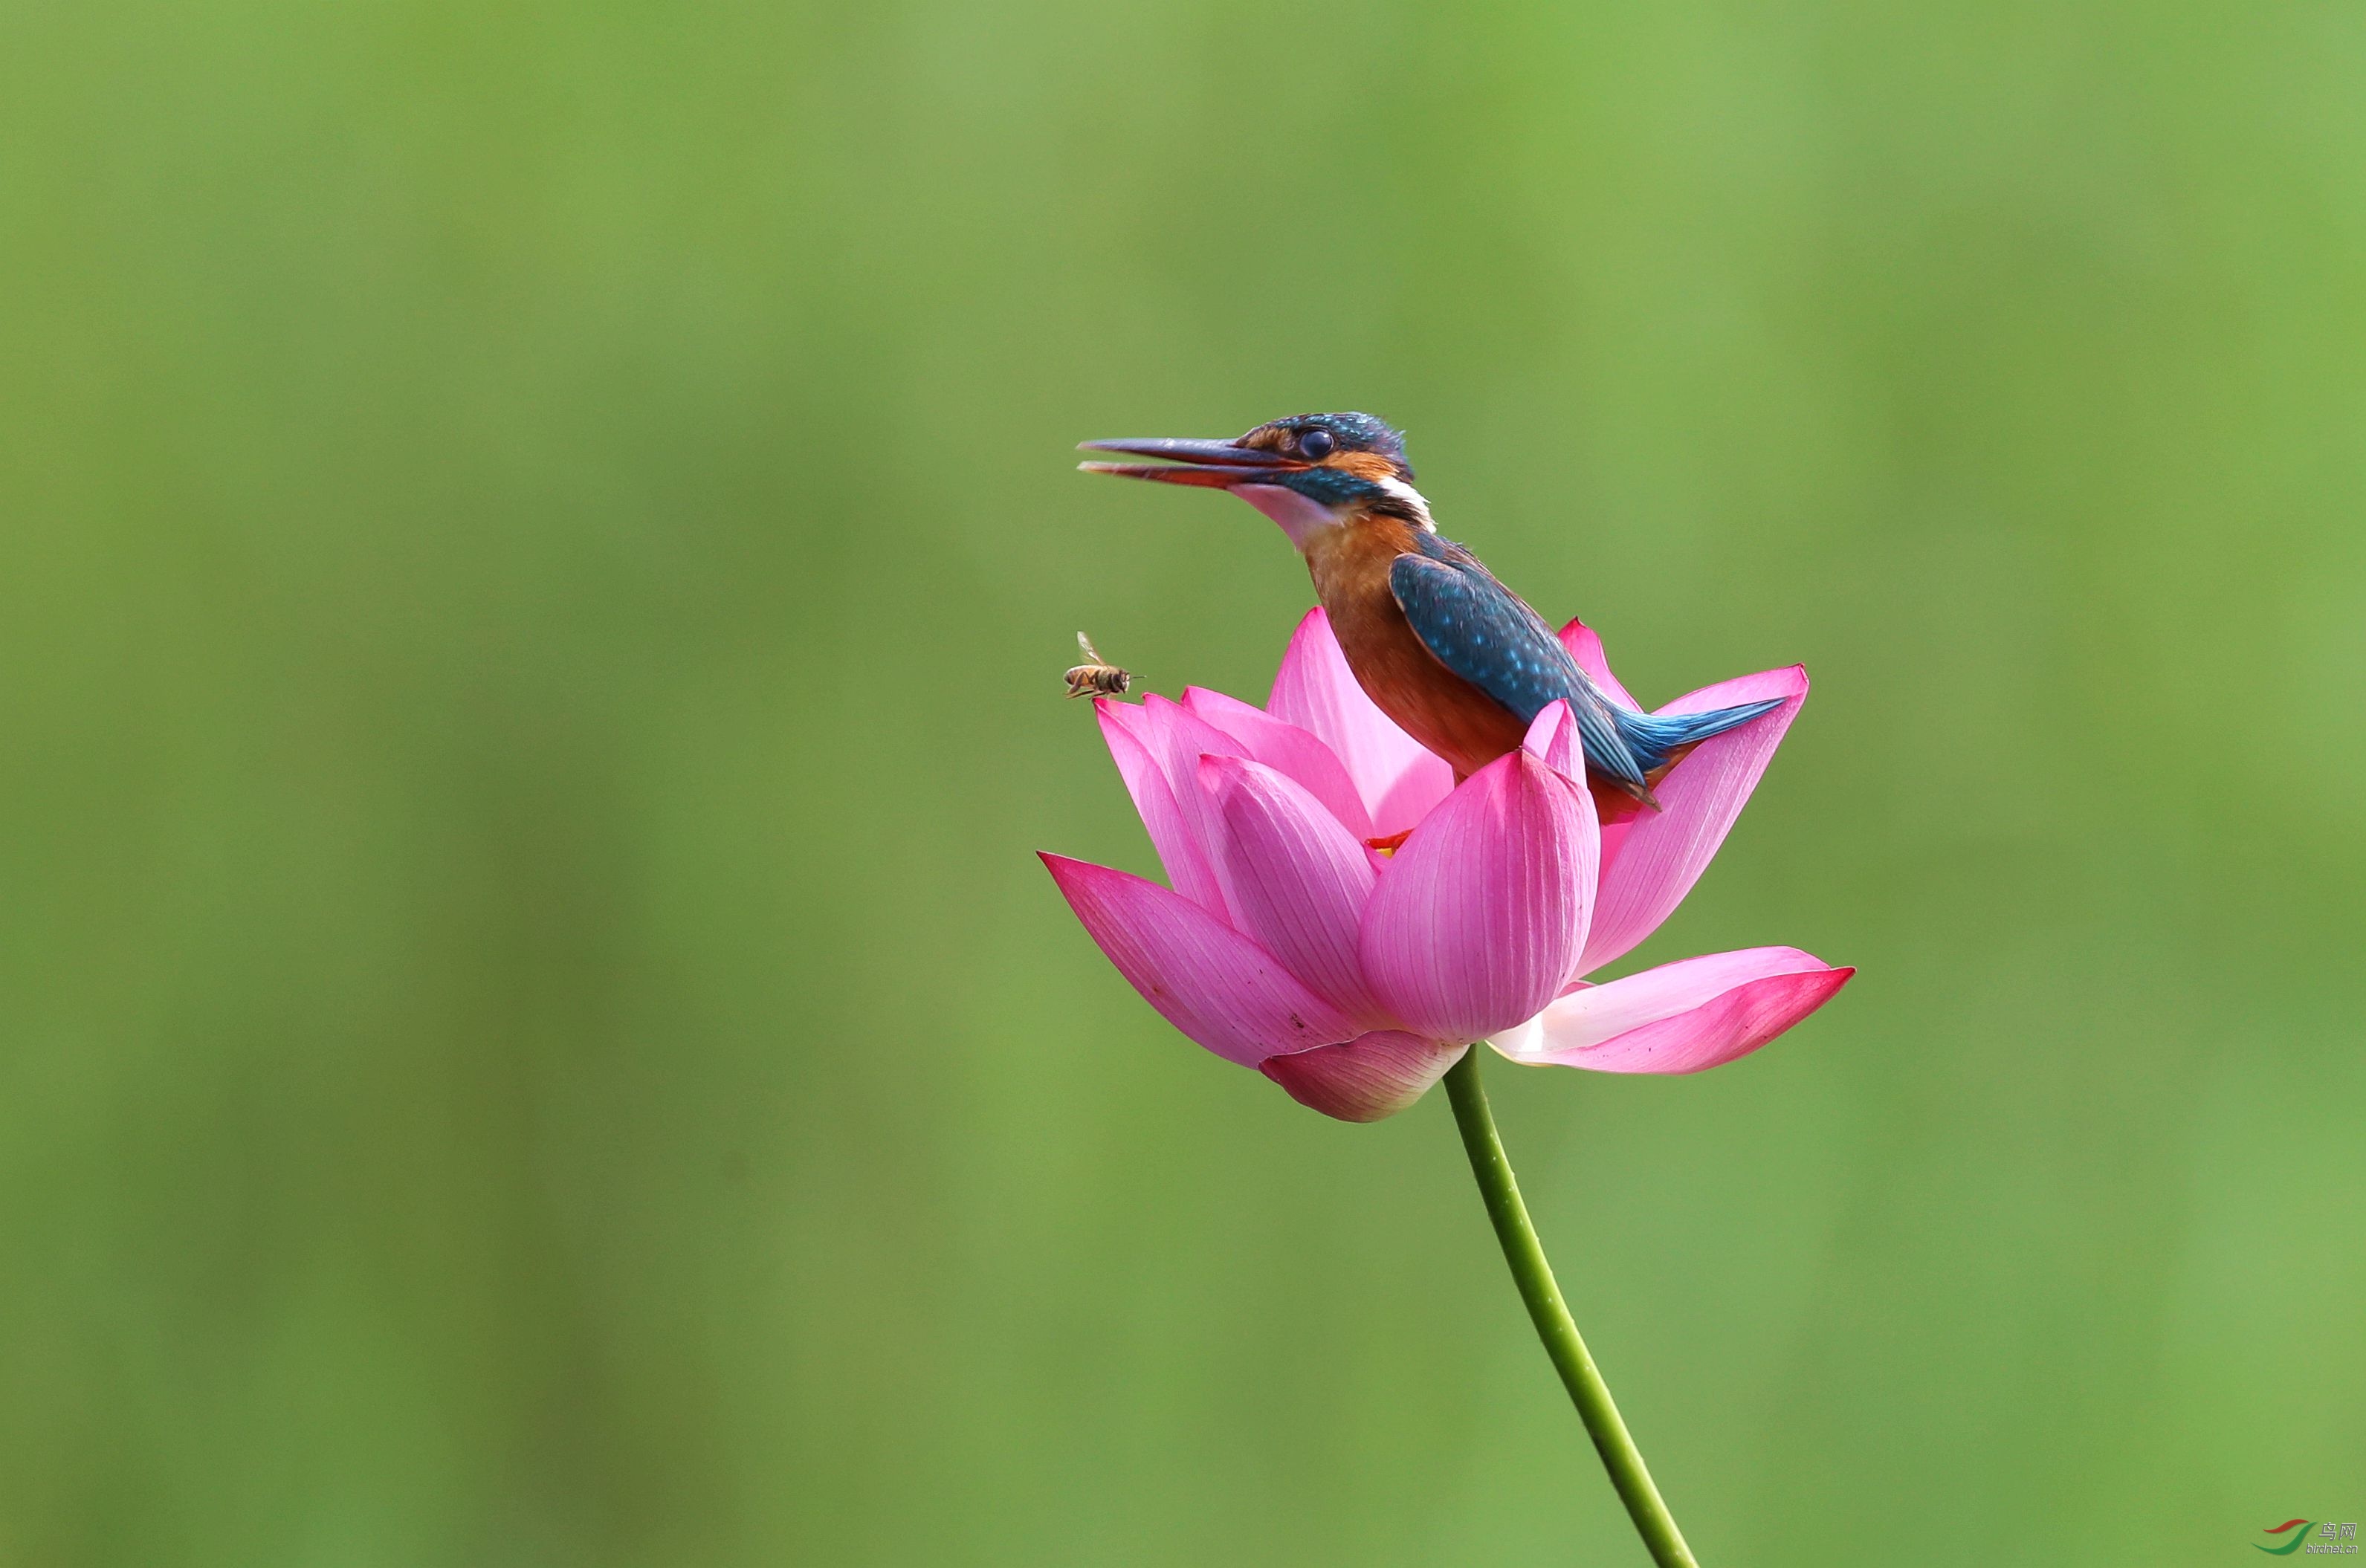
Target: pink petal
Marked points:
1300	880
1399	778
1585	646
1203	977
1479	920
1413	796
1176	740
1188	872
1664	853
1680	1017
1286	748
1615	827
1367	1078
1552	740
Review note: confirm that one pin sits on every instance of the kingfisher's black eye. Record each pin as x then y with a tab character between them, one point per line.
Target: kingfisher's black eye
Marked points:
1316	444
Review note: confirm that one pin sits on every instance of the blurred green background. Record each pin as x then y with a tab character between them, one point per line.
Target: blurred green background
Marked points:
540	551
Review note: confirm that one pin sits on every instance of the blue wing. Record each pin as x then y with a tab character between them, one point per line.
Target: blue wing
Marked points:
1487	635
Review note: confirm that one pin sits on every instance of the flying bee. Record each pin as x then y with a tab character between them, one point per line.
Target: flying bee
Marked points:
1101	678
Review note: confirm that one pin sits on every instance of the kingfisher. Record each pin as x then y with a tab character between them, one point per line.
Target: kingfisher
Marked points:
1458	660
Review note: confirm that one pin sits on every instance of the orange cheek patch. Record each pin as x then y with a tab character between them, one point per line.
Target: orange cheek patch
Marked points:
1364	465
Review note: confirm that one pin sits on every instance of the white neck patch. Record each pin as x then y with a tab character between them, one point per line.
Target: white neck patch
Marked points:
1400	492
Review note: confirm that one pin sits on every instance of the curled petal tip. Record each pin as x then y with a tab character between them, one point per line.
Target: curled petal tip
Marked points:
1584	645
1365	1080
1682	1017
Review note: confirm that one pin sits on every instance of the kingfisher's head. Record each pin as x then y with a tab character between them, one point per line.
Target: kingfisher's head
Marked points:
1310	473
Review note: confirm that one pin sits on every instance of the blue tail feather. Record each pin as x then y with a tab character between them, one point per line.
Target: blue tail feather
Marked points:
1654	737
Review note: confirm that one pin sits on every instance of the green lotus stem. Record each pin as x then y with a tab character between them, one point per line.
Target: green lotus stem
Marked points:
1525	1254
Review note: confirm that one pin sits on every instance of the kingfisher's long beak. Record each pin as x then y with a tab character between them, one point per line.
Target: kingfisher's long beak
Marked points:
1218	464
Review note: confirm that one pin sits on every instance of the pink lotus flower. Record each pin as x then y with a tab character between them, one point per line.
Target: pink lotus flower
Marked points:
1354	978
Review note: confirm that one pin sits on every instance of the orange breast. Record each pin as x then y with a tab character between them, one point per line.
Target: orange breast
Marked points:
1428	702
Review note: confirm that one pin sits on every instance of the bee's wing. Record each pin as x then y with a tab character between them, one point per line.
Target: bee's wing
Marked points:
1090	652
